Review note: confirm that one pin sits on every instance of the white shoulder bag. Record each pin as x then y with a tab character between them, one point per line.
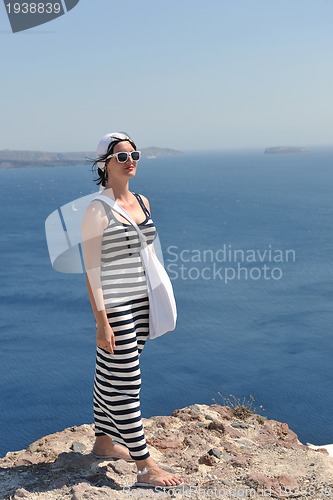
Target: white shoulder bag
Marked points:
162	304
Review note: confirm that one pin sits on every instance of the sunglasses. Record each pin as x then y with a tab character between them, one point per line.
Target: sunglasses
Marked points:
122	157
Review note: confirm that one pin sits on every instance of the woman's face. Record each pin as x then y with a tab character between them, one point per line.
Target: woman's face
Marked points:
121	170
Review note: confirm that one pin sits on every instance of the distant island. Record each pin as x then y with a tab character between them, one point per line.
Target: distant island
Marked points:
11	158
285	149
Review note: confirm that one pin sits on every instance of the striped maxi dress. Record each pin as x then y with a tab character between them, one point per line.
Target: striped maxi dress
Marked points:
117	376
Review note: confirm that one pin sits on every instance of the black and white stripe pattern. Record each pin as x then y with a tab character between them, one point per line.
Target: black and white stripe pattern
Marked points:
118	379
117	376
122	274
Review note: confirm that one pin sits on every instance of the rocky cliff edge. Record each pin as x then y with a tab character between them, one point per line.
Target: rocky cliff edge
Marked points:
221	456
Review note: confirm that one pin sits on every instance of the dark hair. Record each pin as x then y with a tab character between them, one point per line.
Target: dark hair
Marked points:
102	176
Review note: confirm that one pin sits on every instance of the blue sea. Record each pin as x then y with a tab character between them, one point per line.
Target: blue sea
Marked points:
247	240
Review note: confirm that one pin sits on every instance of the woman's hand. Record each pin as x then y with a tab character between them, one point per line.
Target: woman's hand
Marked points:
105	338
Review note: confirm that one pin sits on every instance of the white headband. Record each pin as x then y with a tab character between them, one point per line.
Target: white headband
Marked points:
105	143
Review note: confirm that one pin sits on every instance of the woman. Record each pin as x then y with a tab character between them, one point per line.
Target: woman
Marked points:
118	295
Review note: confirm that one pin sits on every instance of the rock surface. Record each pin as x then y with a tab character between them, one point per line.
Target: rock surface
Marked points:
220	456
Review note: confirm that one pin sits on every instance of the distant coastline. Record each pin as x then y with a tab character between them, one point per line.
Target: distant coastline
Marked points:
285	149
21	159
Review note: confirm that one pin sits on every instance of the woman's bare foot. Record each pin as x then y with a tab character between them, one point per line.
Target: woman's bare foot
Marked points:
104	447
154	475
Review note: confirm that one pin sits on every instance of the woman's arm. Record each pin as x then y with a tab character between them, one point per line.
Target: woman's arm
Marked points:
93	225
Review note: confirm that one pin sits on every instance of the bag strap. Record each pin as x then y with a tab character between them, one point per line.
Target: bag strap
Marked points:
117	208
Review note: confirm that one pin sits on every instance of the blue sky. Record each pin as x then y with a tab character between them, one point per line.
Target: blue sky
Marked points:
183	74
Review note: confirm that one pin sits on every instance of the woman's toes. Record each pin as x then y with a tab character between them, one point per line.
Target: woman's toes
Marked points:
171	481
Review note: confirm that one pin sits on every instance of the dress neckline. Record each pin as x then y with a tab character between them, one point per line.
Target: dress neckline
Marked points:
145	211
